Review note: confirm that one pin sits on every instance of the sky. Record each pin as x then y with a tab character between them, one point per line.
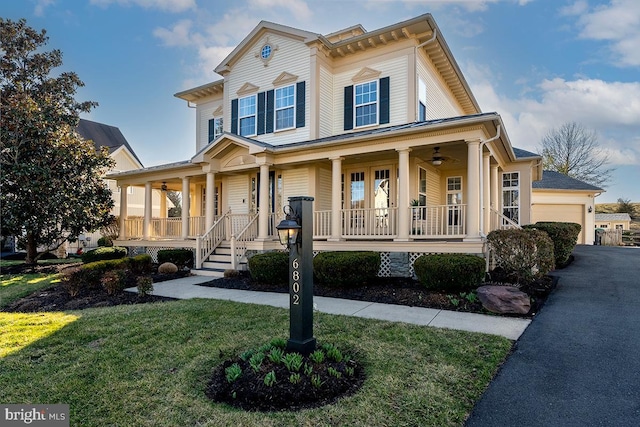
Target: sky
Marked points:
538	63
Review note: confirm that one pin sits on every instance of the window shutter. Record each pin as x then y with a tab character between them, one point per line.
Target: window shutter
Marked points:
234	116
212	123
269	111
384	100
261	113
348	107
300	104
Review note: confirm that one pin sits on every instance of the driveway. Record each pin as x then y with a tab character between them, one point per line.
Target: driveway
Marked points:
578	363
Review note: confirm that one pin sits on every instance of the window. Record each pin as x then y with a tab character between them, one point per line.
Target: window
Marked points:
619	227
422	186
357	190
285	107
215	128
422	100
511	196
247	115
366	103
454	199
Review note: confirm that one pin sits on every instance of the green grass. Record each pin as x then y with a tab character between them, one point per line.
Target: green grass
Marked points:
13	287
148	365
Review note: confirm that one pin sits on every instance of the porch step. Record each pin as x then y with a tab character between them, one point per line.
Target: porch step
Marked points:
218	262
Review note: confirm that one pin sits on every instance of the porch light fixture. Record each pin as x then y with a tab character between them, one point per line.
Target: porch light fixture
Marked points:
590	209
436	160
289	229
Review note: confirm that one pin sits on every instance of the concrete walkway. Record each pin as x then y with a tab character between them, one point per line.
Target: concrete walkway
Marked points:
508	327
578	364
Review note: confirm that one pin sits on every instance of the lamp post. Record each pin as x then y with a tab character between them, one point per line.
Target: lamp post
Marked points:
296	232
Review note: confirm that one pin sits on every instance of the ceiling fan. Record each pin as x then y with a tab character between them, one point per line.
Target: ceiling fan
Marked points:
438	158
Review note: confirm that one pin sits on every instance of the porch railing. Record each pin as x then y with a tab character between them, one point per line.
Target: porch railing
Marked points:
369	222
239	241
439	221
209	241
502	222
163	228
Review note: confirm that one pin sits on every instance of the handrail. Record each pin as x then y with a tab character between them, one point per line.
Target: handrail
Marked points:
505	222
239	242
209	241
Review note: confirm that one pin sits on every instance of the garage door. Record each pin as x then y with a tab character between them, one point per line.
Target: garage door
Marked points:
560	213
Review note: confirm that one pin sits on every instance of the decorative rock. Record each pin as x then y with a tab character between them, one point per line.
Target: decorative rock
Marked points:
167	268
504	299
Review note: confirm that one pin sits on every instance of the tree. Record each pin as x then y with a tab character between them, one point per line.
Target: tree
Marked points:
51	186
574	151
625	206
176	199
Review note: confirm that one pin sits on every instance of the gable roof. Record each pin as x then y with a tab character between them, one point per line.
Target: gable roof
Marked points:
523	154
552	180
104	136
613	217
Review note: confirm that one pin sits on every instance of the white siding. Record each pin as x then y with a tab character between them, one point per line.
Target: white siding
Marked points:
323	190
295	182
292	57
397	71
326	103
237	190
440	101
433	188
205	113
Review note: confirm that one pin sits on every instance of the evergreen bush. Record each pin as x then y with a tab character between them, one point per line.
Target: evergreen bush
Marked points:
270	267
450	272
104	253
180	257
564	236
349	269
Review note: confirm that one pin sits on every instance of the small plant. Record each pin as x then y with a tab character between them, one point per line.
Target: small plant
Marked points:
471	297
453	300
295	378
278	342
333	353
308	369
316	381
246	355
114	281
144	285
349	371
292	361
229	273
233	372
276	354
317	356
256	361
270	379
334	372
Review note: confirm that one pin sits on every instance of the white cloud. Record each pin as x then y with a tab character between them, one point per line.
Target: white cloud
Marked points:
178	35
165	5
618	23
577	8
41	5
298	8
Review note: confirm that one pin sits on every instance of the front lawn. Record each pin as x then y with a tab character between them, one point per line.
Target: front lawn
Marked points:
14	287
150	364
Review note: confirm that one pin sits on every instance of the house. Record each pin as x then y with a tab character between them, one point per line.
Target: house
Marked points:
365	122
126	159
558	197
613	221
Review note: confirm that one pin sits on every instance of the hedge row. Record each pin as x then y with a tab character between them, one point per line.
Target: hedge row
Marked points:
564	236
450	272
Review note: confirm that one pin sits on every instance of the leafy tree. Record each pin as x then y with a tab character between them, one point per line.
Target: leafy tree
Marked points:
625	206
574	151
50	178
176	199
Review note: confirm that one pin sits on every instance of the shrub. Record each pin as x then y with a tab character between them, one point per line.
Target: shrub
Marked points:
105	241
115	281
564	236
141	264
522	254
346	268
167	268
450	272
144	285
104	253
180	257
270	267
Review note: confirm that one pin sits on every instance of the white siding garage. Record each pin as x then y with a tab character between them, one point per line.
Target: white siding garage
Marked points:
560	213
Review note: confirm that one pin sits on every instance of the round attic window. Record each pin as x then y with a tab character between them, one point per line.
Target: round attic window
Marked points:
266	51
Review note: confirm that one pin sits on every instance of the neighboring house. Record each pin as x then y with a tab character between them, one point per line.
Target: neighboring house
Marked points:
558	197
364	122
613	221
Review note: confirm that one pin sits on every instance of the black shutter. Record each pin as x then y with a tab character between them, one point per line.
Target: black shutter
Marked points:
234	116
300	104
384	100
261	113
269	111
348	107
212	125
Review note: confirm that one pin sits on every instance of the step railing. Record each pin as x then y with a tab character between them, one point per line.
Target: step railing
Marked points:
209	241
239	241
502	222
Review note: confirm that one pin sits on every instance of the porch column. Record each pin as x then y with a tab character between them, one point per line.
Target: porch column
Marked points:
148	205
486	189
123	212
336	198
163	204
263	211
209	195
185	207
403	194
473	190
494	195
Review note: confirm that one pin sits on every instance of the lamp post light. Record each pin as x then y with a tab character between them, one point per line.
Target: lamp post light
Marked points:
296	232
